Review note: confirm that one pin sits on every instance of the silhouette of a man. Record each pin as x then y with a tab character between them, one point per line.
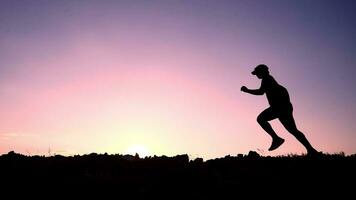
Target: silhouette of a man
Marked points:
280	107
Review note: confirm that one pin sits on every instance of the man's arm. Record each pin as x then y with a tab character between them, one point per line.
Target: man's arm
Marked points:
254	92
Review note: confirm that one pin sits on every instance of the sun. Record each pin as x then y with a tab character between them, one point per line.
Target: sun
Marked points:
137	148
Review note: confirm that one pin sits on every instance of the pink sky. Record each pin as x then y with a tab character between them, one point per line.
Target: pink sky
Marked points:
79	78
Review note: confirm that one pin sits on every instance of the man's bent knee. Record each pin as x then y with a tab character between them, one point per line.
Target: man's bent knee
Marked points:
261	119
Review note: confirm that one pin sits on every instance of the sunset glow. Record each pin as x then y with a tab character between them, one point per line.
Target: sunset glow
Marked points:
139	149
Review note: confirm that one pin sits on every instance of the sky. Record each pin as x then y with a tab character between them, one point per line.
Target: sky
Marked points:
164	77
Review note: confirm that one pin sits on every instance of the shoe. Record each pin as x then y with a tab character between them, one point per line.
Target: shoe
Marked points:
276	143
314	153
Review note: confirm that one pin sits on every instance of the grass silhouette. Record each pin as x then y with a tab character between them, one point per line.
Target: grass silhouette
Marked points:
178	176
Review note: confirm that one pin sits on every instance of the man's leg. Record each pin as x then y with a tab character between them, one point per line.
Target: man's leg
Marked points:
262	119
288	122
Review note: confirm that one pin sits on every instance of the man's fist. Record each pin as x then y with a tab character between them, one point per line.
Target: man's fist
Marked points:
244	89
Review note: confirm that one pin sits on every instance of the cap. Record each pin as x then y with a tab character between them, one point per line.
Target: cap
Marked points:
260	68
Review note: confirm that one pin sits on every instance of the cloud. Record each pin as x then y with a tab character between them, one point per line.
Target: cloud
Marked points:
11	135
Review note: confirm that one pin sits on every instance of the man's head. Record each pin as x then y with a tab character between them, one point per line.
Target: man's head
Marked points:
260	71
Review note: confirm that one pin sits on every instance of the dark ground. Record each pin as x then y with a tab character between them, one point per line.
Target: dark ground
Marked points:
178	177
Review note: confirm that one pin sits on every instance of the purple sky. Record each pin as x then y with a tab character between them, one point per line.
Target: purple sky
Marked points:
106	76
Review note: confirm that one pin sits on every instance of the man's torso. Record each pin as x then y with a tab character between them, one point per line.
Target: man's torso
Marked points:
277	95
